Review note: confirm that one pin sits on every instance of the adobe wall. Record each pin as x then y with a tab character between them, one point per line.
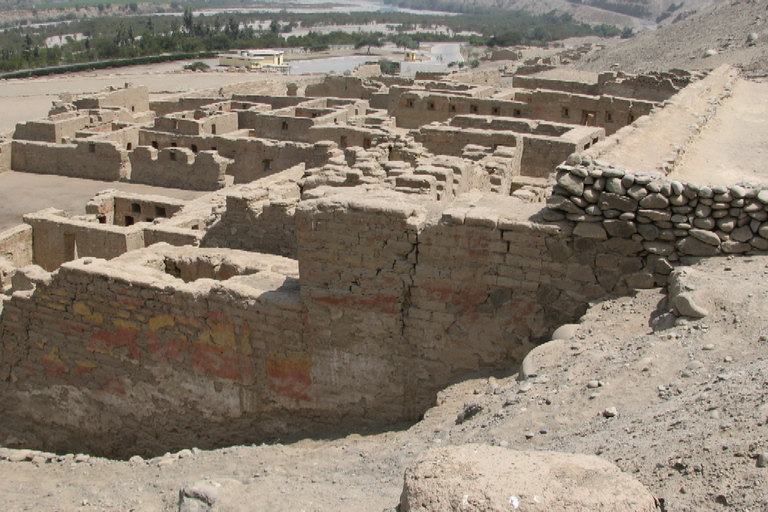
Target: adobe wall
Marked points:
124	136
124	209
651	87
165	107
5	154
140	360
55	129
16	245
131	98
178	168
260	217
58	238
570	86
96	160
198	123
397	296
347	136
343	87
450	140
252	158
609	112
415	109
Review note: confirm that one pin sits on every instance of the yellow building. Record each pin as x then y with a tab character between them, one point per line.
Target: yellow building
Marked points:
410	56
252	59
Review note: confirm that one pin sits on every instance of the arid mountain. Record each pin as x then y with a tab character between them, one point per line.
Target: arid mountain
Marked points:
734	32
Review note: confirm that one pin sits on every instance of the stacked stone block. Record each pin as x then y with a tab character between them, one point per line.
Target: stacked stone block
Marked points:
666	220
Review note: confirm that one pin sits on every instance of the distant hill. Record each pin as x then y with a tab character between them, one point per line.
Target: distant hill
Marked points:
689	42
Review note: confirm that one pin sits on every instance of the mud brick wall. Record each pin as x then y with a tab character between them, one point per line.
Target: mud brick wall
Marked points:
158	360
178	168
97	160
58	238
668	220
449	140
51	130
5	155
253	158
16	245
260	220
493	278
356	258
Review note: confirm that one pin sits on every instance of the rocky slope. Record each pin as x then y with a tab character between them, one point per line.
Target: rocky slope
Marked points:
733	32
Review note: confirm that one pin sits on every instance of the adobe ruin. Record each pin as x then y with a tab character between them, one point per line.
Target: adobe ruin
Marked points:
355	255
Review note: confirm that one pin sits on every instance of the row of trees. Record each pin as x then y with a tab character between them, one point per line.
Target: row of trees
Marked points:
107	38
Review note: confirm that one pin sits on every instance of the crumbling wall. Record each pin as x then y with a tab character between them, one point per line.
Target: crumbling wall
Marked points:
347	136
414	109
124	209
142	361
16	245
58	238
252	158
95	160
178	168
165	107
55	129
449	140
131	98
5	155
124	136
569	86
609	112
343	87
260	217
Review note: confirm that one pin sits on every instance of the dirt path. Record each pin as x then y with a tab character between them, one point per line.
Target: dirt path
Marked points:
733	147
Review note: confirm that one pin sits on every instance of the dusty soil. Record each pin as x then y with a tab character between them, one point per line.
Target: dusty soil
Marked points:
724	28
733	146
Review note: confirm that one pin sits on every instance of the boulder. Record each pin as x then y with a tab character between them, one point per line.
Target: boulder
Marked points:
475	477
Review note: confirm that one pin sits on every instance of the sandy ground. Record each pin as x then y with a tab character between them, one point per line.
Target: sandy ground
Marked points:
25	99
733	146
22	193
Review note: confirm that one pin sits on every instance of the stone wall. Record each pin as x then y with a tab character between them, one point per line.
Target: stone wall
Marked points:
95	160
665	221
178	168
16	245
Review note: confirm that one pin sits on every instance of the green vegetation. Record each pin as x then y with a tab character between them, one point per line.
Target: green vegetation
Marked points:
197	66
389	67
133	36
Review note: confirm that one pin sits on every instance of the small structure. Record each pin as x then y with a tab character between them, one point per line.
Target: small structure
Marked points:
410	56
252	59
